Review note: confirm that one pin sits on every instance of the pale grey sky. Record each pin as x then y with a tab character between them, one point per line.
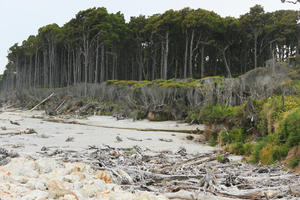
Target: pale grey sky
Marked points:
21	18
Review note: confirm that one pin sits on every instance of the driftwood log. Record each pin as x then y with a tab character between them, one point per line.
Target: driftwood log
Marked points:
46	99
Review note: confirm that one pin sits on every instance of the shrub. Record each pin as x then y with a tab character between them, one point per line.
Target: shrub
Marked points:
231	136
293	162
248	148
236	148
269	154
214	113
220	158
212	141
256	151
290	129
268	150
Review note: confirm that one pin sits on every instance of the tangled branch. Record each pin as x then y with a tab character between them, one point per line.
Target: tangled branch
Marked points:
294	2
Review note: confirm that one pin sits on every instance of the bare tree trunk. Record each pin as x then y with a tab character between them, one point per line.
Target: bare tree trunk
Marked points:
185	56
162	59
191	55
30	72
140	62
202	61
154	64
225	60
35	68
69	67
132	69
45	69
113	68
106	67
255	48
176	74
165	70
17	73
74	67
86	46
102	70
97	57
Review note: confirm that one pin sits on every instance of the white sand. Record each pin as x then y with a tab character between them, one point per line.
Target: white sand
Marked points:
54	134
25	177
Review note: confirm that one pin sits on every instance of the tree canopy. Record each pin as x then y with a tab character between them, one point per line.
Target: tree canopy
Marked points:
96	46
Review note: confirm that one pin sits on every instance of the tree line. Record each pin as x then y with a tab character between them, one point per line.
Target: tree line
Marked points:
96	46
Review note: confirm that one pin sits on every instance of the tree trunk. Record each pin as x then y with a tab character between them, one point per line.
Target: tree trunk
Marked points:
97	58
185	56
86	46
255	48
45	69
154	64
225	61
202	61
165	70
162	59
191	55
102	70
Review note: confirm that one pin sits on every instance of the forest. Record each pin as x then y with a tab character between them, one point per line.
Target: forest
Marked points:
97	46
186	104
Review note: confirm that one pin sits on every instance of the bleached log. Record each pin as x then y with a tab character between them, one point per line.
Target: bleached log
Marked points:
46	99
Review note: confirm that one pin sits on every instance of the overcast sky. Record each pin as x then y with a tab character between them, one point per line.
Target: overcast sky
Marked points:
21	18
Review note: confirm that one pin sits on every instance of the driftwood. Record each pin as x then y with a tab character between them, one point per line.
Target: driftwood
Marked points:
209	181
134	139
182	175
295	190
27	131
165	140
14	123
184	195
250	195
60	105
46	99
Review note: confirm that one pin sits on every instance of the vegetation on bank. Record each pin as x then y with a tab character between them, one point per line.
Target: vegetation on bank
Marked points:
226	106
274	132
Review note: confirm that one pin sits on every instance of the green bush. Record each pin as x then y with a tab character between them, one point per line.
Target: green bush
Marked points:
214	113
290	129
268	150
248	148
237	148
220	158
256	151
213	142
293	163
231	136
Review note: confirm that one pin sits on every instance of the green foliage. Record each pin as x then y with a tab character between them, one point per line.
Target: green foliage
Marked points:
293	162
268	152
248	148
220	158
213	113
290	129
132	84
231	136
171	83
276	144
236	148
212	141
132	49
